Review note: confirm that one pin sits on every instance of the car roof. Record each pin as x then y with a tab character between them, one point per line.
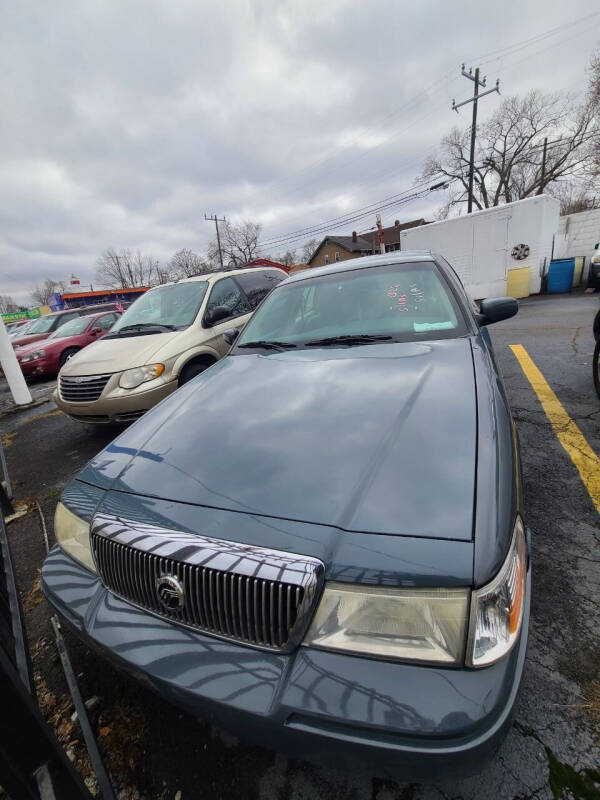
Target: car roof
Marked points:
97	314
394	257
211	277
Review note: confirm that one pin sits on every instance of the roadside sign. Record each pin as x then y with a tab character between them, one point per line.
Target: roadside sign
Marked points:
32	313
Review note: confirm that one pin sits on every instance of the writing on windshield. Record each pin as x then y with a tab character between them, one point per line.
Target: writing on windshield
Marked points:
400	302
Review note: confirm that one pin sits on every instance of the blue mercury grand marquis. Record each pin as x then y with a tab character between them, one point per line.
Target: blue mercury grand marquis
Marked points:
319	540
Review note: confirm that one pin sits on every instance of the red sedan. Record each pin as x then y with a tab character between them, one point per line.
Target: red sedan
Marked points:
47	357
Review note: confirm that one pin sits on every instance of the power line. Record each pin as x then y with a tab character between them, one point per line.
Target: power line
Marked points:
343	217
324	227
483	58
494	55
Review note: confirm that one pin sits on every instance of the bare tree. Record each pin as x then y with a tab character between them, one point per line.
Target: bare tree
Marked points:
44	291
574	196
7	304
288	258
594	102
508	157
309	249
239	244
185	264
125	269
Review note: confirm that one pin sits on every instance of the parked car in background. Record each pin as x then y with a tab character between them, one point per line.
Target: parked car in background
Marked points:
166	337
320	541
42	327
47	357
13	327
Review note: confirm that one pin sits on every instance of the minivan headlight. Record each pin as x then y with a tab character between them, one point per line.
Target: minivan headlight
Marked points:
497	609
138	375
73	536
406	624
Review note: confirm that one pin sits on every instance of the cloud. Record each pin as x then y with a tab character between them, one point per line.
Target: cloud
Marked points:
124	122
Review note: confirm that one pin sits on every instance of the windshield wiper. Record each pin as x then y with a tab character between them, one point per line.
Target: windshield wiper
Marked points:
268	344
140	326
349	339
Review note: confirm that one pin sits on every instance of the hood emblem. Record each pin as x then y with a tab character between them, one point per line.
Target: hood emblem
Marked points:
170	593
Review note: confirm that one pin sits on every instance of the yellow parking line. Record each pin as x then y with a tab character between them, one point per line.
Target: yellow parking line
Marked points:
567	432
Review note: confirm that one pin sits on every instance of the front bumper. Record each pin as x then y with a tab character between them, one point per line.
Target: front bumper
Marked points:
41	366
402	721
116	405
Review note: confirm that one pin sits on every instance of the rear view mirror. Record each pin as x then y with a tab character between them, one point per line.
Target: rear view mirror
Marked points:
216	314
231	335
495	309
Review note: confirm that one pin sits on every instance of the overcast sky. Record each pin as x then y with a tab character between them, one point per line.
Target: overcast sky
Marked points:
124	122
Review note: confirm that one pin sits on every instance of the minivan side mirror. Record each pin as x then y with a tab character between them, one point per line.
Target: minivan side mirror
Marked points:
495	309
596	245
216	315
231	335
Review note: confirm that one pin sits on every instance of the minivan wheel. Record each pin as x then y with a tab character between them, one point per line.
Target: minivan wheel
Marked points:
191	370
596	367
67	354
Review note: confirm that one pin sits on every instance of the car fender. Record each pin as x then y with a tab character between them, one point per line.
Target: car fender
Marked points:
191	354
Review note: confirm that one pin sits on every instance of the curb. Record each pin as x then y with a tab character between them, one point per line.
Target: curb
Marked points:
16	409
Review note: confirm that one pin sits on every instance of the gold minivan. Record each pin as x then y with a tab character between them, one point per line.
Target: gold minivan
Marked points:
166	337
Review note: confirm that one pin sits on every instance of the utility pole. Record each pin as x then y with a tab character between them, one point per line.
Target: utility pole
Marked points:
216	220
543	178
380	234
474	99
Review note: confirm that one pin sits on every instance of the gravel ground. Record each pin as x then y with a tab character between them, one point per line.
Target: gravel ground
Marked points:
552	751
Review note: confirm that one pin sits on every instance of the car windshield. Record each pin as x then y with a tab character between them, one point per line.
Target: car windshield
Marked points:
399	302
19	329
41	325
173	306
71	328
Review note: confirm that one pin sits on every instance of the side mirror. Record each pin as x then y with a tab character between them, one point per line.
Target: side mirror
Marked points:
596	245
495	309
216	315
96	331
231	335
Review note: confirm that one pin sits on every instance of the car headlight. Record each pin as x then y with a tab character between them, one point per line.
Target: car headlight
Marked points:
497	609
33	356
403	624
595	259
138	375
73	536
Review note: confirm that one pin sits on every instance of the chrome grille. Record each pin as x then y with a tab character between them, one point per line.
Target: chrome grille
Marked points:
82	388
257	596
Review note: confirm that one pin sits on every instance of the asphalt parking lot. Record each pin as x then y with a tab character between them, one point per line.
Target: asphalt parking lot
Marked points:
553	749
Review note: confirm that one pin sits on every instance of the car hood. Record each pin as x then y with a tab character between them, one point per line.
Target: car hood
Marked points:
21	341
115	355
379	438
31	347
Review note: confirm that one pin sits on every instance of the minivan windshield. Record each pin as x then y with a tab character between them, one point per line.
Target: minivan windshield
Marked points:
173	306
398	302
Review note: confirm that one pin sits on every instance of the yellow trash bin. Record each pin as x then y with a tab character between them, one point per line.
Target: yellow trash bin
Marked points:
518	282
578	270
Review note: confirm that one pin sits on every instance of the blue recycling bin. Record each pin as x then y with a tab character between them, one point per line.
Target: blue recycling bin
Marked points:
560	275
